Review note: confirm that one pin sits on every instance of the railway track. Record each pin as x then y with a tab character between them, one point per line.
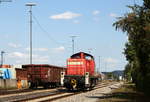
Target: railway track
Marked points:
46	95
29	94
10	92
71	94
23	92
7	92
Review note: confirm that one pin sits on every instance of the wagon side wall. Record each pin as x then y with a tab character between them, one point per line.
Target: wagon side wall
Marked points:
44	73
55	74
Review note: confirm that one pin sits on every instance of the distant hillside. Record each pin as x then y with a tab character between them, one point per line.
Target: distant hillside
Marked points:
116	72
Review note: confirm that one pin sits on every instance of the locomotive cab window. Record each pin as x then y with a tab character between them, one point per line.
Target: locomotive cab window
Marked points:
76	57
88	57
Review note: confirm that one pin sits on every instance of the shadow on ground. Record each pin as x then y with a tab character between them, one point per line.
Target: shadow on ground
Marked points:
121	97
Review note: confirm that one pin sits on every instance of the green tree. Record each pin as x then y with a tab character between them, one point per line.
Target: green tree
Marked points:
137	26
127	72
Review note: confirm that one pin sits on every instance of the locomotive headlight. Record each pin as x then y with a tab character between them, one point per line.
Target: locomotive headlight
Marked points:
29	76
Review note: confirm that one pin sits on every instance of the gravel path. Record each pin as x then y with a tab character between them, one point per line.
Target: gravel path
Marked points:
91	96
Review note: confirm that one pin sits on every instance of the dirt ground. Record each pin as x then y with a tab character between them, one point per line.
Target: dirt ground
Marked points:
127	93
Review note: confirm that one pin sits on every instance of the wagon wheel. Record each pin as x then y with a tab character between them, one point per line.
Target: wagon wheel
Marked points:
32	85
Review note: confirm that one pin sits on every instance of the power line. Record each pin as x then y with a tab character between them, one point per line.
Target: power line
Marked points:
5	1
49	35
45	32
135	2
105	66
99	64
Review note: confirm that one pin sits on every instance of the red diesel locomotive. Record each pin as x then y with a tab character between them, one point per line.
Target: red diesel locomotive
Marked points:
80	73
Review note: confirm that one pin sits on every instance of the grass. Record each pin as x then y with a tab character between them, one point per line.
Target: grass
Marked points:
8	88
127	93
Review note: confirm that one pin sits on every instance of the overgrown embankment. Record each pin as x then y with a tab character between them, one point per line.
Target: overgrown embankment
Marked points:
126	93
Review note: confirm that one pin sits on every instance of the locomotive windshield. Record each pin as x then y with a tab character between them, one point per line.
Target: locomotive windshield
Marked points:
76	57
82	55
88	57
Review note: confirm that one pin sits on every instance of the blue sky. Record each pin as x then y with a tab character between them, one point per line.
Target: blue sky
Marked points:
54	22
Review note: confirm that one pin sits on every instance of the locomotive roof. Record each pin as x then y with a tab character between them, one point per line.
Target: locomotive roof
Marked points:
86	54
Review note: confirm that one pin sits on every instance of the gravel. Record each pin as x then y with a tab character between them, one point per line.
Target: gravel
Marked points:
91	96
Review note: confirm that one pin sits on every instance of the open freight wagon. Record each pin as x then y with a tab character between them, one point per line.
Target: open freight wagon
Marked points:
44	75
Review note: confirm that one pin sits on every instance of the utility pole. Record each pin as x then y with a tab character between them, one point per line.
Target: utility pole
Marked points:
5	1
105	66
90	50
73	37
2	52
2	58
134	2
30	11
99	63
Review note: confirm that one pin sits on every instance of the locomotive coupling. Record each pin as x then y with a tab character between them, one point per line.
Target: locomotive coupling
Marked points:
73	83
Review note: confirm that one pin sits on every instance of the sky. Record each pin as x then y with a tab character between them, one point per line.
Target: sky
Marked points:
54	22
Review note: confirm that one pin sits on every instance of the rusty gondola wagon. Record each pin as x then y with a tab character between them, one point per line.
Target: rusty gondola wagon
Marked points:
44	75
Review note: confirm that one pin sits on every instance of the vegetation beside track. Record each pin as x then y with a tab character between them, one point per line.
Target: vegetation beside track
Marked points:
126	93
136	24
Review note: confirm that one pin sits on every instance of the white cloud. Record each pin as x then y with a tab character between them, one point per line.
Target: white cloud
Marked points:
96	19
111	60
41	59
76	21
27	48
22	58
17	55
41	49
18	62
37	49
111	63
127	38
65	15
13	45
59	49
96	15
96	12
113	15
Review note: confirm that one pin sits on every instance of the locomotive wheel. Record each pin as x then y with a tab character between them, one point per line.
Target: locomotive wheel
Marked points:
45	86
36	84
32	85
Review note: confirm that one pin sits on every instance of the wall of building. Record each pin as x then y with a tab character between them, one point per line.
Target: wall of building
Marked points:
12	84
18	78
8	83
